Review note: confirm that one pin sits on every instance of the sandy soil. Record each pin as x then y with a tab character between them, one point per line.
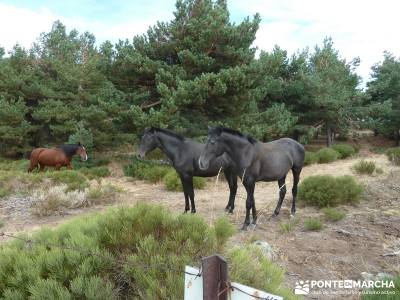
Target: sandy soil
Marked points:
342	250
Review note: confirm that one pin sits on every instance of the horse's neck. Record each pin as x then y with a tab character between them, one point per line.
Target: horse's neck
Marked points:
240	151
170	146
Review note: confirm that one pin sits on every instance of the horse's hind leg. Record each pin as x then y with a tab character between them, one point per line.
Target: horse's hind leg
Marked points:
282	193
232	181
296	178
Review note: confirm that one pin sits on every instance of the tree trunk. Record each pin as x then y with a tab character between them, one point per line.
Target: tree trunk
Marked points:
328	134
397	137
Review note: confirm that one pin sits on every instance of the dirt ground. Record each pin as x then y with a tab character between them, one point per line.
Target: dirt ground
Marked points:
341	250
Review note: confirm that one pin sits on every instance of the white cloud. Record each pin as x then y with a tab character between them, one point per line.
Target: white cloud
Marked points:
358	28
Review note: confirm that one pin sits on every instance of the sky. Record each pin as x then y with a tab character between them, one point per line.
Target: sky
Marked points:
359	28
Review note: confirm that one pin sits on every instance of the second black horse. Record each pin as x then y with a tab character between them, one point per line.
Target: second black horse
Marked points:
184	154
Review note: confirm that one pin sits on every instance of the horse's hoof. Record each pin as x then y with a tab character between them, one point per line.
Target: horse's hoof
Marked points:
292	216
227	209
244	227
252	226
274	215
193	211
230	211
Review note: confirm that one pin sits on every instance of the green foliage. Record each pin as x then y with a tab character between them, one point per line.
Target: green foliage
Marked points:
96	172
14	129
384	293
223	231
250	267
83	136
364	167
313	224
344	150
146	170
326	190
74	180
172	182
393	155
286	227
333	214
310	158
4	192
117	246
383	97
327	155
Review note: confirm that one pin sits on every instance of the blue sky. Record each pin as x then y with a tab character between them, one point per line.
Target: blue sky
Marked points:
358	27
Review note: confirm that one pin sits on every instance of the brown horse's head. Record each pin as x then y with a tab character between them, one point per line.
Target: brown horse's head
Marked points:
81	151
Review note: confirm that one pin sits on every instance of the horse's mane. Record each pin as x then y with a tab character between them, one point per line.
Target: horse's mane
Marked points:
168	132
69	149
219	129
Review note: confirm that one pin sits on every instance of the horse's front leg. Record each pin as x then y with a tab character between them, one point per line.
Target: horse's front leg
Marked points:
232	181
249	184
185	193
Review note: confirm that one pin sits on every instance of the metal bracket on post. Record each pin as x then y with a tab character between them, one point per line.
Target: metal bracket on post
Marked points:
214	270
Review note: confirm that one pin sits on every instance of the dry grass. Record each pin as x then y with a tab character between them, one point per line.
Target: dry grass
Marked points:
56	199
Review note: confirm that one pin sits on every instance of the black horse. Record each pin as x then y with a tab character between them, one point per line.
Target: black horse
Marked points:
184	154
256	161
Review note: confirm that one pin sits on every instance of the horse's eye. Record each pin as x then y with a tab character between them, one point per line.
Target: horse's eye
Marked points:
212	142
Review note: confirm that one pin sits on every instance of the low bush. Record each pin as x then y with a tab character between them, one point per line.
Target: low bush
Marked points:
128	253
393	155
249	266
310	158
172	182
286	227
313	224
102	194
96	172
4	192
54	200
332	214
326	190
344	150
146	170
327	155
364	167
74	180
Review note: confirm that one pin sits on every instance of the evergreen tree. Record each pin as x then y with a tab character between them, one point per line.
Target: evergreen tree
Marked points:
384	96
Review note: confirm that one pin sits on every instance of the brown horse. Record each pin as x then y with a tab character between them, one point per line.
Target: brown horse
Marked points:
56	157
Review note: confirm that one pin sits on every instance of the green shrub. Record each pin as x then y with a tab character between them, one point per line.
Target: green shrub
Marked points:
364	167
312	224
332	214
326	190
249	266
74	180
286	227
223	231
127	253
383	292
327	155
102	194
310	158
146	170
172	182
344	150
350	190
96	172
393	155
4	192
